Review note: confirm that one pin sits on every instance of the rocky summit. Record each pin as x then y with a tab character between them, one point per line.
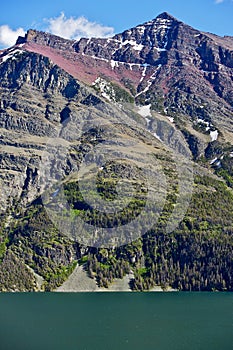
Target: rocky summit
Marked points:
116	112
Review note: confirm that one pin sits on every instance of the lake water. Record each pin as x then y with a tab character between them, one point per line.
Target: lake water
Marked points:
116	321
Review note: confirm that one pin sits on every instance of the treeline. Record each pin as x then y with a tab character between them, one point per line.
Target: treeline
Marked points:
32	242
197	256
184	261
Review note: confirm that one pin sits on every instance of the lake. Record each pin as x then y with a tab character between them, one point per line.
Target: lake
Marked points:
116	321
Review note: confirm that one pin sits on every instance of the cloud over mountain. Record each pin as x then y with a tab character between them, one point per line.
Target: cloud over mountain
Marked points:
75	28
9	36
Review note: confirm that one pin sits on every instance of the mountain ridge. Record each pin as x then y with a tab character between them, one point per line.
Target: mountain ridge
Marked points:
165	86
130	62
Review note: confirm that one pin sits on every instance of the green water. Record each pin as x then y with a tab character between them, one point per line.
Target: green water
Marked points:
116	321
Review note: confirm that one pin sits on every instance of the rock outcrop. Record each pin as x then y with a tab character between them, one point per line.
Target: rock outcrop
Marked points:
161	83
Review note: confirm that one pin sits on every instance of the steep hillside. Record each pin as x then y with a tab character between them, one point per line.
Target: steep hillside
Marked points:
117	154
178	69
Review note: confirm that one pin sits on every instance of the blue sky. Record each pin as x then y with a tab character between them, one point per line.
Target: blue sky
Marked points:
74	18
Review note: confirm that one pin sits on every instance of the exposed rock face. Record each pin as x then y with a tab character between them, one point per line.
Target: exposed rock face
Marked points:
183	73
166	62
35	95
182	77
46	39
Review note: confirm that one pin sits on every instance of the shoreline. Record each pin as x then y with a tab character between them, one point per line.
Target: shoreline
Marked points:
79	281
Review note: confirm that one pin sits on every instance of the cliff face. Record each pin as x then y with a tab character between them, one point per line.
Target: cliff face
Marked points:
33	94
43	107
37	97
166	62
190	71
163	84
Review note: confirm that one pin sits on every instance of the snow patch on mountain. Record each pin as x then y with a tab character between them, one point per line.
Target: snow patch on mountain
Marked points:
12	54
161	50
145	111
143	74
171	119
157	136
135	46
214	135
105	88
150	81
141	29
162	28
213	161
95	57
114	64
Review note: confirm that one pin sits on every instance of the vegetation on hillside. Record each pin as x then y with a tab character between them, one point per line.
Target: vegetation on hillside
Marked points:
198	255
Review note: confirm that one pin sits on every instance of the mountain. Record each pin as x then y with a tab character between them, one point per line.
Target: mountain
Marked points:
152	107
153	59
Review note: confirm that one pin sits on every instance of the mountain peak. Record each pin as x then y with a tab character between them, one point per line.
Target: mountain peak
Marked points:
31	33
165	15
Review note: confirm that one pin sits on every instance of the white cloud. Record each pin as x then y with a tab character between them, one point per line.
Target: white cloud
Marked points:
9	36
75	28
221	1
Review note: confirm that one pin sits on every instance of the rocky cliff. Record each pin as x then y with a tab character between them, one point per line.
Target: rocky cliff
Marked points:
160	91
180	70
